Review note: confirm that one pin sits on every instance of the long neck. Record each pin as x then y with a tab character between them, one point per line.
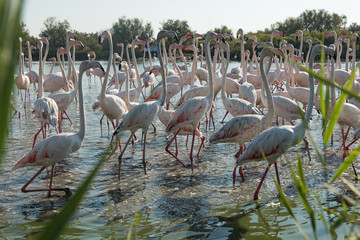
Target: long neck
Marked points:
354	55
139	87
68	57
62	69
128	57
41	90
267	119
202	54
208	63
164	87
115	75
149	52
82	129
29	55
307	56
46	52
144	59
301	45
300	129
216	53
243	64
122	51
177	68
347	56
182	80
127	97
20	61
194	66
103	87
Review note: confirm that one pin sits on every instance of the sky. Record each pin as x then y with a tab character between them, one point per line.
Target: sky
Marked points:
202	15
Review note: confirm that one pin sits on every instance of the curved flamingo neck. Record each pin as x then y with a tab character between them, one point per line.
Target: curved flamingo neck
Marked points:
115	72
164	88
29	55
82	130
139	87
181	77
267	119
307	56
41	90
194	66
103	87
149	53
62	69
182	81
243	64
208	63
127	98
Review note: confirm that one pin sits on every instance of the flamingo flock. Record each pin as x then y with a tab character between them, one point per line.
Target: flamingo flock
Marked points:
183	99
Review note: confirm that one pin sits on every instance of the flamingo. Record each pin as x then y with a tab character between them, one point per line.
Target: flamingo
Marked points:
246	90
53	59
274	142
134	93
308	41
236	106
113	107
301	94
141	116
22	81
32	74
245	127
46	109
56	148
191	111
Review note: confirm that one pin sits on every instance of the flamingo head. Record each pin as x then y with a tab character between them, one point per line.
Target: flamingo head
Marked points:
52	59
198	35
355	37
138	42
228	36
342	37
308	41
32	47
120	45
239	33
329	34
76	43
103	35
299	34
62	50
70	35
190	47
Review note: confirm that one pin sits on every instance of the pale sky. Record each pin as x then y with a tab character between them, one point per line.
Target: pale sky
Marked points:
201	15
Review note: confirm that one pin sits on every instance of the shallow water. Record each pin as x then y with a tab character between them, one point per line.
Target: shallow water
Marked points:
173	202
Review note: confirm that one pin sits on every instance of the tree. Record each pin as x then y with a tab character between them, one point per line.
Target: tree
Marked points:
125	30
354	27
181	27
223	29
55	31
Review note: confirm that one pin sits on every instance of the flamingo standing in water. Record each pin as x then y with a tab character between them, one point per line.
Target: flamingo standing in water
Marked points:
114	108
32	74
22	81
245	127
56	148
141	116
274	142
46	109
191	111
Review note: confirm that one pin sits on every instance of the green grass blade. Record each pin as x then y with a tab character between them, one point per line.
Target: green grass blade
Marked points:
9	28
337	110
346	163
57	224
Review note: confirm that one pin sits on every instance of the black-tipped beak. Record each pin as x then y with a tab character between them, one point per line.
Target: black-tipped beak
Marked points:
297	38
102	69
120	66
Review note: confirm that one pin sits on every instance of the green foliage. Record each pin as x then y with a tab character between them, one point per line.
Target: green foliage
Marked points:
181	27
312	20
55	31
223	29
9	28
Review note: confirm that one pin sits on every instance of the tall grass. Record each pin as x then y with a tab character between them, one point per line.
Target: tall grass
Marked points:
9	29
331	218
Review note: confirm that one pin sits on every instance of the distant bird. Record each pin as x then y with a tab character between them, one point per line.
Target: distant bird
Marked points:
56	148
141	116
274	142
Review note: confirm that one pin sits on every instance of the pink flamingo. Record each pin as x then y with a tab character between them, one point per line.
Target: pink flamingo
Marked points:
22	81
191	111
56	148
245	127
141	116
46	109
274	142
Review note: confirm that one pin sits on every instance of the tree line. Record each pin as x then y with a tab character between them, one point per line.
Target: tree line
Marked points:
314	24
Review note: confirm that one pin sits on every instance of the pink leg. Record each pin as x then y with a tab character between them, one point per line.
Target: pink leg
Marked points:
187	140
101	119
122	153
143	159
67	116
36	135
222	121
191	151
256	194
167	148
24	190
176	147
153	127
201	144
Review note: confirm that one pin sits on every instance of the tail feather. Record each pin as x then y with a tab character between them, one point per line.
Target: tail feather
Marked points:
28	158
